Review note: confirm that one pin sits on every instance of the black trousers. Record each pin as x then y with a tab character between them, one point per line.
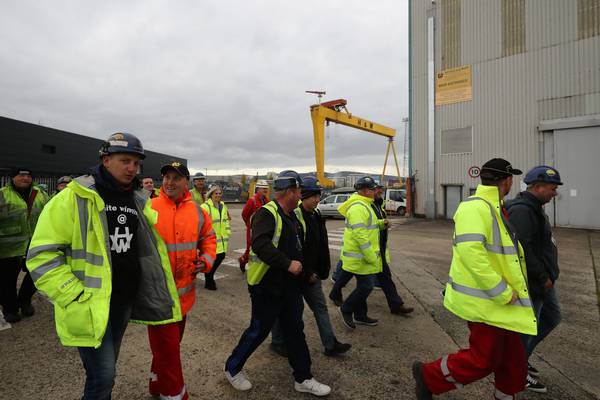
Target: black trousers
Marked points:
9	274
210	276
266	308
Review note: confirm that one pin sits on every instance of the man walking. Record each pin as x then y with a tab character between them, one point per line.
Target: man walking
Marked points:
361	254
252	205
384	278
97	255
21	203
315	267
487	287
274	283
188	233
198	191
527	216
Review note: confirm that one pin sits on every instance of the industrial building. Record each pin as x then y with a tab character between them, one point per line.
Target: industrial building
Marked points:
505	78
51	153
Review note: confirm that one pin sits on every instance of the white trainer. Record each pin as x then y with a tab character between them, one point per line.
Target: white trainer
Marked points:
312	386
239	381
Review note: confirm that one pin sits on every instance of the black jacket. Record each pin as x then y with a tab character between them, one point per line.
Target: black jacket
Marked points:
534	232
290	247
316	246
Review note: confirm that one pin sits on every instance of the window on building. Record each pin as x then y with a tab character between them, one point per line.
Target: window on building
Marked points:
588	18
457	141
513	27
450	33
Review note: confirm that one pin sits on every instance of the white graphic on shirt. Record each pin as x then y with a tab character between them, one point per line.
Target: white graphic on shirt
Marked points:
122	219
121	242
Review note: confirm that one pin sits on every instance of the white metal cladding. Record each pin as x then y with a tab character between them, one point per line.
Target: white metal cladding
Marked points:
558	76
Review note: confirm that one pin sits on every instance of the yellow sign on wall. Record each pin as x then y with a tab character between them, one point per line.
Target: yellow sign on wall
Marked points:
453	86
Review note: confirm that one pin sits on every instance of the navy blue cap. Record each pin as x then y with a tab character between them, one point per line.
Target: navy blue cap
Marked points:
310	187
287	179
544	174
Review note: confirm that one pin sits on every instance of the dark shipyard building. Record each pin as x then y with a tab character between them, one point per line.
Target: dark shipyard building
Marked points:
52	153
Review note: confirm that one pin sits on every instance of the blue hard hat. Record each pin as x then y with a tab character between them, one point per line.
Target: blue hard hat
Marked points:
310	187
122	142
287	179
365	182
544	174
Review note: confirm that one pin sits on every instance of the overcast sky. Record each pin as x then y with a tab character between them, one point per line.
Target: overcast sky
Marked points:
220	83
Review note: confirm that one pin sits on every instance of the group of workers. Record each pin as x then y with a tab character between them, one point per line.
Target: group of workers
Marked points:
106	252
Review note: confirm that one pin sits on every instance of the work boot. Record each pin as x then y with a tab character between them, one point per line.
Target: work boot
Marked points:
347	319
402	309
279	349
312	386
239	381
27	310
534	385
12	317
338	348
210	284
421	389
365	321
337	300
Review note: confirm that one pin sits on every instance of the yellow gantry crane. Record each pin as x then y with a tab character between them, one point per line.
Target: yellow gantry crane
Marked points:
335	111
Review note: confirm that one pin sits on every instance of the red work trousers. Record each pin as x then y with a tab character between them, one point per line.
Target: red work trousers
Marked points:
166	375
491	349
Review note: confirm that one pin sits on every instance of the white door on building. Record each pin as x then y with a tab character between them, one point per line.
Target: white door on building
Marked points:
577	158
453	197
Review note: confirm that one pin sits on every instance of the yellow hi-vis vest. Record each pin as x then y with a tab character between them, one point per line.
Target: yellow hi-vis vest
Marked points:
220	223
70	255
257	269
360	249
487	266
197	196
16	227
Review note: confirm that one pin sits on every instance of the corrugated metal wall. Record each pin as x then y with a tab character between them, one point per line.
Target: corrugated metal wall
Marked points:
557	76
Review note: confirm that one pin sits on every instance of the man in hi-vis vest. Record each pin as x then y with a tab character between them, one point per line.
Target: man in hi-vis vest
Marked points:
487	287
97	255
274	281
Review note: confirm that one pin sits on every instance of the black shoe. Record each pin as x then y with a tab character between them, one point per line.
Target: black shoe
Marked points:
347	319
12	317
402	310
421	389
531	370
534	385
279	349
27	310
338	301
338	348
365	321
210	285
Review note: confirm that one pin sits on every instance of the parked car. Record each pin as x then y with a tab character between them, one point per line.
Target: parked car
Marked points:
329	205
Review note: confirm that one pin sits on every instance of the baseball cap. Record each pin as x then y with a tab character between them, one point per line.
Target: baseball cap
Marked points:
498	168
177	167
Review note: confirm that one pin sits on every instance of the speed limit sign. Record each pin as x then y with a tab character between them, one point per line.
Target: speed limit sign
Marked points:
474	171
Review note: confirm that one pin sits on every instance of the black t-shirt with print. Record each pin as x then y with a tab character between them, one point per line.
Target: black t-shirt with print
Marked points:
122	217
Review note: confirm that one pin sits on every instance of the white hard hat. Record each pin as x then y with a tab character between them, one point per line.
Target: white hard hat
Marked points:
261	183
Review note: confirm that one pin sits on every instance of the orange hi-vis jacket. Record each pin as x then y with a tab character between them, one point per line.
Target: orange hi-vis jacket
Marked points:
188	233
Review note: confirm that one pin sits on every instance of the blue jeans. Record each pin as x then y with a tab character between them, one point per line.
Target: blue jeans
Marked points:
266	308
313	294
356	303
100	363
547	312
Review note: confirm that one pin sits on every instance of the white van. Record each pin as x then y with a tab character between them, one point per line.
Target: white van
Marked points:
394	200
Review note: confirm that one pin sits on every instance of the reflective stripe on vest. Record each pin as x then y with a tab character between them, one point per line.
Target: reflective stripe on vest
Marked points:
186	289
351	254
496	246
488	294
